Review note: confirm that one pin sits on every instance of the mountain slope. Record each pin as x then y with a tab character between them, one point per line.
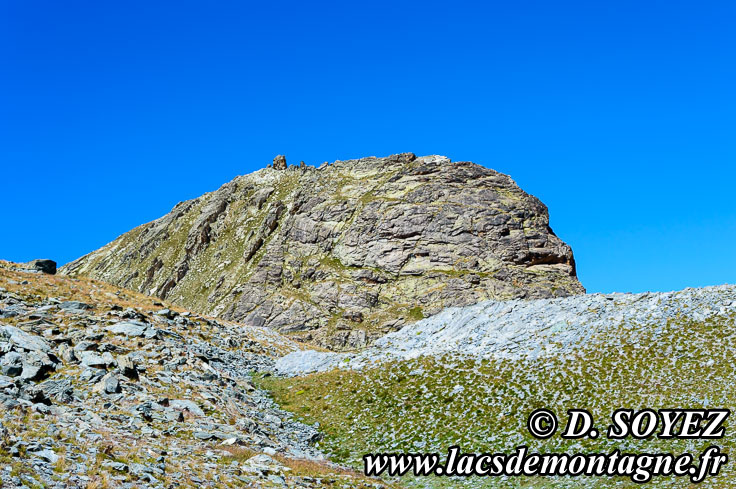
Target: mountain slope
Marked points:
471	376
103	387
340	254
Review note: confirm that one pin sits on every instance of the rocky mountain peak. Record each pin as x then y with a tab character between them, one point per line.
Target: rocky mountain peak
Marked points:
279	162
345	252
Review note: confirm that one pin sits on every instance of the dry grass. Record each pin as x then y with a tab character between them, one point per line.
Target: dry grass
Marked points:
315	468
104	297
100	480
83	290
241	454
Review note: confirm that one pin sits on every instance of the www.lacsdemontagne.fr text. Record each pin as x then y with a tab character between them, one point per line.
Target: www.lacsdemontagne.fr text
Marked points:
640	468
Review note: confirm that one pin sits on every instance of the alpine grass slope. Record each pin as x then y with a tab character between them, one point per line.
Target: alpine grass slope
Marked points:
471	376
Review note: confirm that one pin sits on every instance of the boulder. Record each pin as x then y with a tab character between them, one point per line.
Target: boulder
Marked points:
44	266
47	455
74	306
109	384
24	340
58	390
127	366
6	382
129	328
92	359
167	313
186	405
11	364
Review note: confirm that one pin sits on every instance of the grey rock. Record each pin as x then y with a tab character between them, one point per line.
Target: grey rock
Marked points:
36	365
272	419
127	366
57	390
74	306
108	359
185	405
264	462
31	372
92	374
11	364
47	455
116	466
92	359
128	328
85	345
203	435
6	382
167	313
261	196
21	339
151	333
277	479
109	384
8	402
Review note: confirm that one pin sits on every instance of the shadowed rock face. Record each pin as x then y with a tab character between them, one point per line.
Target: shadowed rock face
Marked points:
344	253
44	266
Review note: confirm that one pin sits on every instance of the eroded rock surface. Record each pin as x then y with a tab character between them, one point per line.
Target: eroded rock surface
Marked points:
342	254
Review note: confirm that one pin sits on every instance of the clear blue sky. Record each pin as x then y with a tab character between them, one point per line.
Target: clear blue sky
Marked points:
619	115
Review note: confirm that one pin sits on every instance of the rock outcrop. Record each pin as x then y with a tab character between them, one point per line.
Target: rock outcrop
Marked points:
279	162
342	254
43	266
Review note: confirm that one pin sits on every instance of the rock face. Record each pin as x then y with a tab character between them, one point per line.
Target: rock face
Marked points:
344	253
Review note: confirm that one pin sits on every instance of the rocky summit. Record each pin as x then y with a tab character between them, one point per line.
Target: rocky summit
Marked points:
341	254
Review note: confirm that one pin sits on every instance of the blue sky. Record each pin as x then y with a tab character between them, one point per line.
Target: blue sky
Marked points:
620	116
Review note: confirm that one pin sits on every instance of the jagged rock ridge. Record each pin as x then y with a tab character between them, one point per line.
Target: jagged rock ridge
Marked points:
341	254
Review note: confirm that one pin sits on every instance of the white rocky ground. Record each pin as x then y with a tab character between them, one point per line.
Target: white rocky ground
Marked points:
524	328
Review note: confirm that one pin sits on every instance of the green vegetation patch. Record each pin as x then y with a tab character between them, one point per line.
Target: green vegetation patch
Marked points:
429	404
